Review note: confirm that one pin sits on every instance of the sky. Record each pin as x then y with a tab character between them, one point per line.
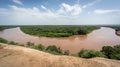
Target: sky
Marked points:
59	12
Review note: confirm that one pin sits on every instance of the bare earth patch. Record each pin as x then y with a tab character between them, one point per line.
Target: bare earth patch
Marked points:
16	56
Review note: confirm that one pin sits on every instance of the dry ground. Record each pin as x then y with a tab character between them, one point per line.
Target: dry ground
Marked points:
16	56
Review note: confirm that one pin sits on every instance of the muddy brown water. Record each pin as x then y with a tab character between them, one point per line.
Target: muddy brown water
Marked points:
94	40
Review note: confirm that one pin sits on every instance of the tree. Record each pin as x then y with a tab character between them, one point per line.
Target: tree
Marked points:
112	52
53	49
107	50
81	31
117	49
116	52
39	47
90	54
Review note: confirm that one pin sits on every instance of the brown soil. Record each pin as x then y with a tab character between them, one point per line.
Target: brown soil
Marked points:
16	56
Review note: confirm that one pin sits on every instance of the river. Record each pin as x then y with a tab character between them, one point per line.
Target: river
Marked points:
94	40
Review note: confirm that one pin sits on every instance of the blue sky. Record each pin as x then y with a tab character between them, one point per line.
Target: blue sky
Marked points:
59	12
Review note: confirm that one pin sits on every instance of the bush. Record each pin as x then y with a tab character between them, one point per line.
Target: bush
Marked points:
13	43
66	52
39	47
29	44
115	56
112	52
53	49
107	50
3	40
90	54
117	49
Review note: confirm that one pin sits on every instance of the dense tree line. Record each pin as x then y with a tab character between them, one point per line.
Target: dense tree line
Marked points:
6	27
2	28
117	27
57	31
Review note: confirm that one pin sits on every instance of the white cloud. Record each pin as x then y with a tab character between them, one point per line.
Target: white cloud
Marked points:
65	14
17	2
21	15
91	4
32	15
101	11
68	9
43	7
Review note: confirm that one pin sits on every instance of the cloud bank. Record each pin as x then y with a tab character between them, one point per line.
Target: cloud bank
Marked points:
65	14
103	11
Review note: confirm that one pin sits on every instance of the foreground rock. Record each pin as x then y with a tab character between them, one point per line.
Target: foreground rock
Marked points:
16	56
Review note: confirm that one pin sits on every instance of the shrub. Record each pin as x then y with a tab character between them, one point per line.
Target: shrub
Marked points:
13	43
117	49
107	50
3	40
29	44
53	49
112	52
39	47
115	56
66	52
90	54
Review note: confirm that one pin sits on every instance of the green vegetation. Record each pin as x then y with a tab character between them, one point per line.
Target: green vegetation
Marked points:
117	28
29	44
112	52
2	28
58	31
54	50
3	40
90	54
5	27
13	43
39	47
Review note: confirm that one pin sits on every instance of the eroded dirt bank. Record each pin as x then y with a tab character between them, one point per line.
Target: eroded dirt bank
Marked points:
16	56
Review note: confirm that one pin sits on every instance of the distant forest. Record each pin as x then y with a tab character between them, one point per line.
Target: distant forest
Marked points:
58	30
